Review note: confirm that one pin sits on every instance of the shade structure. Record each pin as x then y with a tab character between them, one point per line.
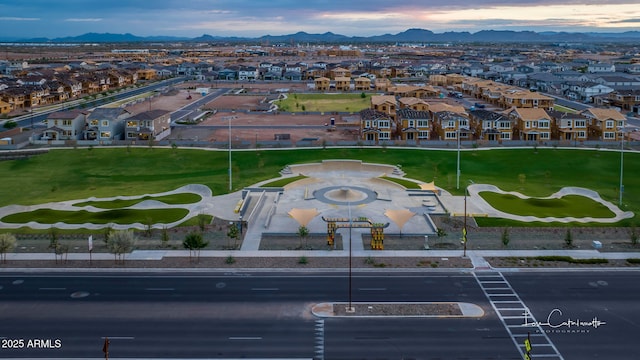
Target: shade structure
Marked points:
303	216
400	216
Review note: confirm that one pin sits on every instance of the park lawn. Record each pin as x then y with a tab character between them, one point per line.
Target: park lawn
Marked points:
325	102
566	206
71	174
121	216
173	199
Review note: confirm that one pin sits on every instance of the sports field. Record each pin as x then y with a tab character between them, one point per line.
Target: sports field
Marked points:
325	102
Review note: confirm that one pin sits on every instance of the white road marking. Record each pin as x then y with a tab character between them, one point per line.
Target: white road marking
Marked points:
245	337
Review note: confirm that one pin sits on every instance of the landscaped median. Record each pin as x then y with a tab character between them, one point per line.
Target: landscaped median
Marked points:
398	309
559	261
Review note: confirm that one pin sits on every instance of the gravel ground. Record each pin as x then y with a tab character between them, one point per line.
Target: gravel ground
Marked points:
380	309
252	262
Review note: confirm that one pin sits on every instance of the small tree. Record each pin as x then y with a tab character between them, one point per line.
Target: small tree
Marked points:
164	237
53	238
633	235
148	226
568	239
194	242
505	237
61	251
202	222
7	243
303	232
106	233
120	243
233	233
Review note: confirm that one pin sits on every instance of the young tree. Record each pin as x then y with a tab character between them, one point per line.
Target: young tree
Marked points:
194	242
303	232
233	233
164	238
120	243
505	237
53	238
633	235
202	222
7	243
568	239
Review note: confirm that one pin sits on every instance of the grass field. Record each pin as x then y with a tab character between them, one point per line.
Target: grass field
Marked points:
72	174
566	206
325	102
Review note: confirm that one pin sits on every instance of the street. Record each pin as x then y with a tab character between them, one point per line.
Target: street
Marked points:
268	315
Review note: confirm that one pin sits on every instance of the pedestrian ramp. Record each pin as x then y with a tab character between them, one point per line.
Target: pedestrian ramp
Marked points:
526	332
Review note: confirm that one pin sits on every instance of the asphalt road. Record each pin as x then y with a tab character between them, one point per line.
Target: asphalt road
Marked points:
267	315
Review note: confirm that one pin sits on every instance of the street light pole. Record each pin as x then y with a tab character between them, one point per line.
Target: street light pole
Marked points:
230	175
458	167
350	308
621	165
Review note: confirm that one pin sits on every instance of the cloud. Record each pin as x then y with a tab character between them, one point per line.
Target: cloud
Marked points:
83	20
10	18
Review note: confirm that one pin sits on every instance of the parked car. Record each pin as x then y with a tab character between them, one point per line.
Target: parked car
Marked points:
479	106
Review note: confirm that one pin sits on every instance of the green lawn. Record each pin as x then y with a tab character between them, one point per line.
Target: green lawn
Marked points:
324	102
71	174
566	206
174	199
120	216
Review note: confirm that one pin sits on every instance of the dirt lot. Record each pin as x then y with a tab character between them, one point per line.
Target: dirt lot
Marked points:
249	121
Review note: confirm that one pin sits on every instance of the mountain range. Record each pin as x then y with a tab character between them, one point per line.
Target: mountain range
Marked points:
408	36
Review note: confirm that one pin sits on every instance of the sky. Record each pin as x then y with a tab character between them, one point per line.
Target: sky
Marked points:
247	18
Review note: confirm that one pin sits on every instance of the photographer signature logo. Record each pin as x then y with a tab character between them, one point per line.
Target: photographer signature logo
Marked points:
555	322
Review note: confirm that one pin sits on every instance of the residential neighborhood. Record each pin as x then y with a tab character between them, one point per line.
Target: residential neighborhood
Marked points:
419	94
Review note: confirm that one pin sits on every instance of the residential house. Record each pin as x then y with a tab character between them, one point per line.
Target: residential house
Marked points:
375	125
601	67
147	74
624	99
343	83
362	84
449	125
382	84
105	124
526	99
413	104
247	73
339	72
568	126
533	124
415	125
65	125
604	124
384	104
148	125
491	125
5	107
322	84
17	98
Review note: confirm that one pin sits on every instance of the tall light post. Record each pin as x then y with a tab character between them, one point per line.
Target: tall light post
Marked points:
621	165
230	175
464	227
350	307
458	166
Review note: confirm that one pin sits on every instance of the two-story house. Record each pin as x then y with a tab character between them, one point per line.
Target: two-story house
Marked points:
533	124
415	125
362	84
65	125
343	83
449	125
384	104
491	125
376	126
148	125
105	124
605	124
568	126
322	83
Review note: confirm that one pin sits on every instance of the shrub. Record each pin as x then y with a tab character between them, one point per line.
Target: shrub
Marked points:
633	261
230	260
303	260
